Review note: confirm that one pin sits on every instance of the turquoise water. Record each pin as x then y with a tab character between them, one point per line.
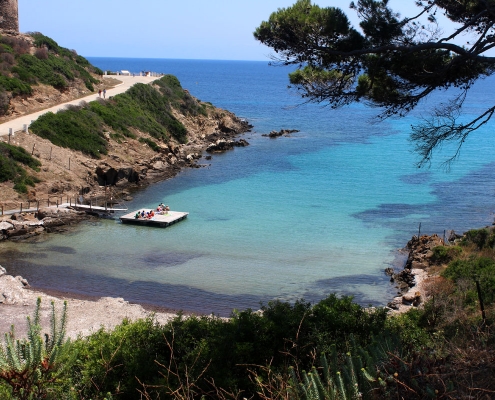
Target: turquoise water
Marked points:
322	211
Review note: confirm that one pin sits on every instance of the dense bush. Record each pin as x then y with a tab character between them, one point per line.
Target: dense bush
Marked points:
482	238
481	269
201	353
80	130
11	158
445	254
52	65
15	86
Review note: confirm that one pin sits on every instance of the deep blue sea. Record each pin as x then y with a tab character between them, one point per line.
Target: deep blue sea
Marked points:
324	210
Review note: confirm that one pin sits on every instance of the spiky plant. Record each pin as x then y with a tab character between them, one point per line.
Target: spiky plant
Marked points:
28	366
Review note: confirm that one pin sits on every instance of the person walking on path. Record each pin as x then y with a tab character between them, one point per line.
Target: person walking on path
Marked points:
104	92
99	92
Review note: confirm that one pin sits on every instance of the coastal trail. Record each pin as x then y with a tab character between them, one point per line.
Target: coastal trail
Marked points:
17	124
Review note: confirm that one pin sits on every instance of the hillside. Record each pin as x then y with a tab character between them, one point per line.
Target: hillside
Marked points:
35	72
144	135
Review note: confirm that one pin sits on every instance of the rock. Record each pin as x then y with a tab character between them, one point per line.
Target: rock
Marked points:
223	145
5	226
110	176
50	222
282	132
17	217
395	303
3	271
159	166
241	143
22	280
419	265
17	232
46	212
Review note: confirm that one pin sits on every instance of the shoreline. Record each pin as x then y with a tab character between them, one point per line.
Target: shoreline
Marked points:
85	315
88	313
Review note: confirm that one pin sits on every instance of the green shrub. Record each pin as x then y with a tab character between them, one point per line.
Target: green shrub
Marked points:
150	143
477	236
445	254
80	130
32	367
481	269
15	86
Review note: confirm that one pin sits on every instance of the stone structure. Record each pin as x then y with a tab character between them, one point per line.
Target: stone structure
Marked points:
9	15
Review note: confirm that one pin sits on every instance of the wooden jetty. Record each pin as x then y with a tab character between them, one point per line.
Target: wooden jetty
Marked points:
161	220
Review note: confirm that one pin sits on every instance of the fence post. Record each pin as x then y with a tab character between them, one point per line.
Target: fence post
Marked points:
480	298
10	134
25	128
51	148
21	207
419	230
69	163
32	152
29	204
2	210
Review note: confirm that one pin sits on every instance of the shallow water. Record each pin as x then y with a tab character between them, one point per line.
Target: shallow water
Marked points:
321	211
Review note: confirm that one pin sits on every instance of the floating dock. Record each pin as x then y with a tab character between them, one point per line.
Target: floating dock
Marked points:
160	220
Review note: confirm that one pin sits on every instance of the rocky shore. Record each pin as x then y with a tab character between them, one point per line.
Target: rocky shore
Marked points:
412	281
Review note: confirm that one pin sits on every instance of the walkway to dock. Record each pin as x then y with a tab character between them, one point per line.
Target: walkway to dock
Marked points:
81	207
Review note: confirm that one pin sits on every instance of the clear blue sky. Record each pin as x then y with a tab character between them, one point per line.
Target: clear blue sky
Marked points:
190	29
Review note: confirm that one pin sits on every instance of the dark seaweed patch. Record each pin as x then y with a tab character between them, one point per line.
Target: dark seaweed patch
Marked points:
167	259
62	249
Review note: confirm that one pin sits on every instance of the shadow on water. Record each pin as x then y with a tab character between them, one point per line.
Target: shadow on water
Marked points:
167	259
352	285
62	249
66	279
457	204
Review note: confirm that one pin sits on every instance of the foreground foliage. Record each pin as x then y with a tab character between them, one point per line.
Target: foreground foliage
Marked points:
31	367
392	62
334	349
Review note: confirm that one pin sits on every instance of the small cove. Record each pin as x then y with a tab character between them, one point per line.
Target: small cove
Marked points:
321	211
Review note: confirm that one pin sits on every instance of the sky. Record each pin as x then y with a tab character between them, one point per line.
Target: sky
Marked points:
187	29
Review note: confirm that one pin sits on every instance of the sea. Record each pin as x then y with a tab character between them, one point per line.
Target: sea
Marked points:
323	210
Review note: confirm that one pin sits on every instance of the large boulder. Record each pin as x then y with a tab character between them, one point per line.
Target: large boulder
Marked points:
107	175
